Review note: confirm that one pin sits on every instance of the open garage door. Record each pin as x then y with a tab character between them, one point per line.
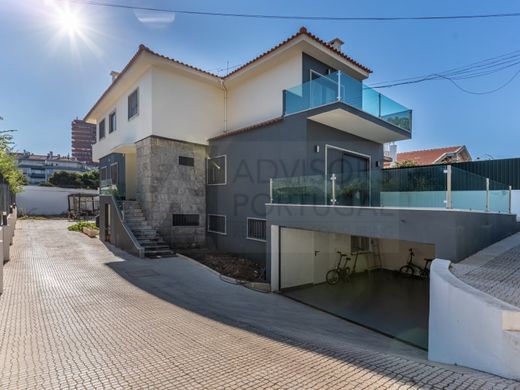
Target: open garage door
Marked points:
373	295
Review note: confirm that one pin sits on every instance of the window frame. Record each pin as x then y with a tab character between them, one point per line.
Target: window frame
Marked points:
116	164
102	122
247	229
111	129
225	170
136	91
368	242
186	214
101	169
225	224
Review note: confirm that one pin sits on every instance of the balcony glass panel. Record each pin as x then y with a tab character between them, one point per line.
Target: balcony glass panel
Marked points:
338	86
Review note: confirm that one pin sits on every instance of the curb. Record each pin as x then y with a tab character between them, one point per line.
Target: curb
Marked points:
257	286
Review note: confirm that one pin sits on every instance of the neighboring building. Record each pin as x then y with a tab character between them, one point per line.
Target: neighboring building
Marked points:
83	136
446	155
38	168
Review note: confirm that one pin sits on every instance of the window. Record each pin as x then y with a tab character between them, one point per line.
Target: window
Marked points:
359	244
114	171
112	125
103	173
133	104
187	161
256	229
217	170
185	220
217	223
101	129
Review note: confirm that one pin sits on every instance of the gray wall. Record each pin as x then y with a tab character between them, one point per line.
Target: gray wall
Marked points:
455	234
110	159
283	149
119	236
165	188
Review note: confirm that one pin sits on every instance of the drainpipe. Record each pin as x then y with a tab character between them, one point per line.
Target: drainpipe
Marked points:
223	86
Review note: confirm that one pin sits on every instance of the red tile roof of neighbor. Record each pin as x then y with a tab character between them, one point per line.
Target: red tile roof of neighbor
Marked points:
248	128
428	156
302	31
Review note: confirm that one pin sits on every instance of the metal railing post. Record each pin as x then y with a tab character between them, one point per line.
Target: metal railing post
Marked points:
271	189
333	180
487	193
339	85
510	199
449	203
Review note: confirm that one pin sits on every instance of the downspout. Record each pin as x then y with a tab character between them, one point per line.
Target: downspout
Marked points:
223	86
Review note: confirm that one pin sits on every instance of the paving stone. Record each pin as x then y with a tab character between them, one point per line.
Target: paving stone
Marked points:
68	320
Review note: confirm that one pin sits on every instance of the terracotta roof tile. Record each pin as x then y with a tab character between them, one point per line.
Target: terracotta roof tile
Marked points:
302	31
428	156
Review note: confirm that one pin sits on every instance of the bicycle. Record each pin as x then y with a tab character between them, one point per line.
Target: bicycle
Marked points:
340	272
411	269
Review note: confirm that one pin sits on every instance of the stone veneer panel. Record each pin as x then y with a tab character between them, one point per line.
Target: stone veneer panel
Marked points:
165	188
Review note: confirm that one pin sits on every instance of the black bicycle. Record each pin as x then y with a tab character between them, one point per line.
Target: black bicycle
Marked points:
341	272
412	269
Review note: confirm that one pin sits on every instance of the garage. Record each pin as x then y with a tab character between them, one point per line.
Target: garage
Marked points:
374	294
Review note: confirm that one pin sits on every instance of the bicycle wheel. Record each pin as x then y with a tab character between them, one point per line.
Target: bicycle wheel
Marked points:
332	277
425	273
407	270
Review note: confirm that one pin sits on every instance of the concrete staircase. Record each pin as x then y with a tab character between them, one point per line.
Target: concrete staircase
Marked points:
153	244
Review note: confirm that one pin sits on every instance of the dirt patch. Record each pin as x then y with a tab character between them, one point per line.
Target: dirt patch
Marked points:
229	265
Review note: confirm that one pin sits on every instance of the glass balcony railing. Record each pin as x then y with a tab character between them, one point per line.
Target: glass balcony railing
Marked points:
438	186
340	87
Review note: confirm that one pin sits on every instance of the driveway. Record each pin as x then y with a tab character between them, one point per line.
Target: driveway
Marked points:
78	314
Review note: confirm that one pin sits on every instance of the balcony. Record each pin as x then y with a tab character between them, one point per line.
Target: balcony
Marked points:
352	107
431	187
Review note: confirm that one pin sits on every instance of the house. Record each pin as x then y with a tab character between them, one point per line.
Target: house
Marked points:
38	168
450	154
280	161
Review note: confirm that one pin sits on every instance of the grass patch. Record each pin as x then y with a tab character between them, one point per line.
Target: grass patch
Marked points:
78	226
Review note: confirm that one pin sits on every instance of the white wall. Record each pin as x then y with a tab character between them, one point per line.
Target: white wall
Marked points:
128	130
35	200
258	96
185	107
515	202
470	328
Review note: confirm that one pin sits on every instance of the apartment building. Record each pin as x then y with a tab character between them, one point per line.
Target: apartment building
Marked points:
83	136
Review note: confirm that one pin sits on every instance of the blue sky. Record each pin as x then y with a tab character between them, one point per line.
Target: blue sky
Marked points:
46	79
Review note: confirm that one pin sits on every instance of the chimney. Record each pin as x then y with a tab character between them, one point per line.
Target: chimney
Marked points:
114	75
336	43
49	155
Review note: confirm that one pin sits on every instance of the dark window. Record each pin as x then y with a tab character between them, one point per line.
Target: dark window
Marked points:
103	173
185	220
359	244
114	173
188	161
256	229
112	125
217	223
217	170
133	104
101	129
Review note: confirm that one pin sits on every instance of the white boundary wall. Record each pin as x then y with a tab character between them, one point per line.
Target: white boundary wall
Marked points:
470	328
36	200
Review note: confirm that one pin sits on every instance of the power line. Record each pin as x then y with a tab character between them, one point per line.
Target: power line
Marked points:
299	17
477	69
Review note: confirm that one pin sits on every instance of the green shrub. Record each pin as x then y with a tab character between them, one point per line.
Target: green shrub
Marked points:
78	226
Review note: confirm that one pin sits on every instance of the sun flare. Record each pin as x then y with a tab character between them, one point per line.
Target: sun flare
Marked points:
68	21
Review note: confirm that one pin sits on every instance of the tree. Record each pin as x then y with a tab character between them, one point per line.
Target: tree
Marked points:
405	164
87	180
8	168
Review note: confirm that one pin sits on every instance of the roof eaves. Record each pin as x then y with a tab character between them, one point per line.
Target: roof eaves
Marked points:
246	129
302	31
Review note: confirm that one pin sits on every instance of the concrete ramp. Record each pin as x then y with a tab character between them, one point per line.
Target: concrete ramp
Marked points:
471	328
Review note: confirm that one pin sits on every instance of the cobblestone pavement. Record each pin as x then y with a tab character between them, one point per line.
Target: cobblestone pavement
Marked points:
499	277
68	319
